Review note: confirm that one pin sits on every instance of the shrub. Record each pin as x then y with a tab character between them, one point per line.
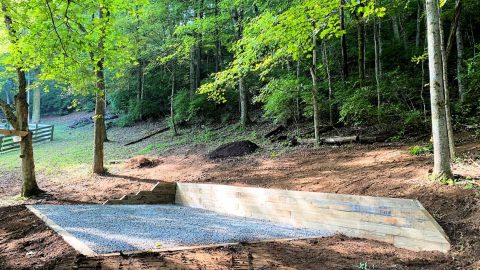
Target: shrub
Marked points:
279	99
421	150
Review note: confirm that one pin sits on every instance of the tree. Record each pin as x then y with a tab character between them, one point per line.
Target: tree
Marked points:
90	40
441	146
18	116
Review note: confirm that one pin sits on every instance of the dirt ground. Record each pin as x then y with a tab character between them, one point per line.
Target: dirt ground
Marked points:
376	170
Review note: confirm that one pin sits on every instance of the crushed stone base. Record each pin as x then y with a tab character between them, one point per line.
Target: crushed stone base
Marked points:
114	228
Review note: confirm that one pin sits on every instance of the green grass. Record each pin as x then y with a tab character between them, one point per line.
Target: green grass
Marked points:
71	151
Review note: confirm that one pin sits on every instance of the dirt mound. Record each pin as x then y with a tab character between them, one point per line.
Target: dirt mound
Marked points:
142	162
87	120
234	149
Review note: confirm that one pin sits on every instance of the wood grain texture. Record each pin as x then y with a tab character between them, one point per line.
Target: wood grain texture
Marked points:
402	222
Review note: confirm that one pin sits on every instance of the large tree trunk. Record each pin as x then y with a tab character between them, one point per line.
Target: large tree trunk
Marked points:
99	118
313	73
29	186
343	41
459	39
441	155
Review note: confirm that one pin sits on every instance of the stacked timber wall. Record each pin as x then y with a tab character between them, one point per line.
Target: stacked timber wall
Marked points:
404	223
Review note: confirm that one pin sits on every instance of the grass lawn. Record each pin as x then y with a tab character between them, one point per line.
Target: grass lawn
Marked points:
71	150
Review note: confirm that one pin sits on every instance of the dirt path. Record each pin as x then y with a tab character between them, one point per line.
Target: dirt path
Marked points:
366	170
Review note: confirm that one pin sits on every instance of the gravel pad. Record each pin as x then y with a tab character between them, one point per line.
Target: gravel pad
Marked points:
113	228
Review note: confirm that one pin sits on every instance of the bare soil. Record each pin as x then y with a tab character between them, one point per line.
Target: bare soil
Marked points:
376	170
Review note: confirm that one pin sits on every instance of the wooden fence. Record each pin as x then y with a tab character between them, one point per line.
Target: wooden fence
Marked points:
40	132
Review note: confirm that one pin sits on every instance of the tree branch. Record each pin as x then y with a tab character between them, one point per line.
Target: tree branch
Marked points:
55	28
9	113
453	29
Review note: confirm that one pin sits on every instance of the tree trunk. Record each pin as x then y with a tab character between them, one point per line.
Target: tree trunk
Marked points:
446	89
377	67
243	102
140	88
404	33
441	155
218	45
329	78
396	30
99	118
192	72
7	96
419	23
297	99
313	73
36	105
361	49
243	98
198	48
29	186
459	39
343	41
29	103
172	97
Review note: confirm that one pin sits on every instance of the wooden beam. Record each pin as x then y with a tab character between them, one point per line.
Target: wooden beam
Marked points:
7	132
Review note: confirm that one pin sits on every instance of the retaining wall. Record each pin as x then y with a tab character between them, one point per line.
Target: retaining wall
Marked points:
402	222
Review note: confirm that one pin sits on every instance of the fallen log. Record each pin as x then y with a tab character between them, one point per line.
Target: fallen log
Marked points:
371	139
306	141
340	140
275	131
148	136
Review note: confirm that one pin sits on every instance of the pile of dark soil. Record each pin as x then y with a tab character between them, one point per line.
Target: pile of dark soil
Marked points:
87	120
234	149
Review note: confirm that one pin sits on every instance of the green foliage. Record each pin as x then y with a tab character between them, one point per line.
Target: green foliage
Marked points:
419	150
365	266
279	97
205	136
356	107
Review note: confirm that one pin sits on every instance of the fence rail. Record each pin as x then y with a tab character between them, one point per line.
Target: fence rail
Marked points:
40	133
